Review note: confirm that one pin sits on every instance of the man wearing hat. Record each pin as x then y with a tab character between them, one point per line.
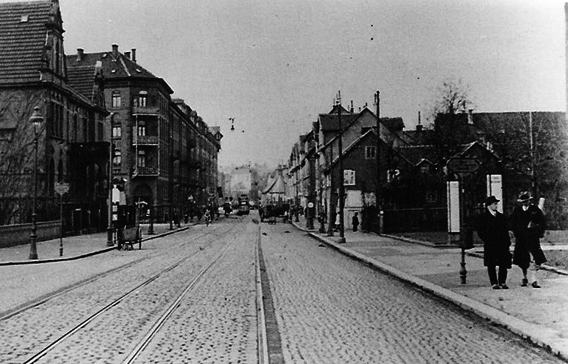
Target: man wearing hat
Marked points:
491	227
528	225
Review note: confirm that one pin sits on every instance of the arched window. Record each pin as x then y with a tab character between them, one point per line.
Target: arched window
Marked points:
143	99
141	128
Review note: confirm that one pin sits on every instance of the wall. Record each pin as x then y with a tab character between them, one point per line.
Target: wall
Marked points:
12	235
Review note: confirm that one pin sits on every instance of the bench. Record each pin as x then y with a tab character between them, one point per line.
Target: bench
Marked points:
128	237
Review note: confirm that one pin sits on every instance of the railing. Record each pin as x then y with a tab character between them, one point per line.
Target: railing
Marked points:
145	172
151	140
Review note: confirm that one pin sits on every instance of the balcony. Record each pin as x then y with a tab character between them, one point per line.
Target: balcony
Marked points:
151	111
145	172
145	140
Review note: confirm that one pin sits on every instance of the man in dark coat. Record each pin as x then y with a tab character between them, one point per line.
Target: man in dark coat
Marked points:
355	221
491	227
528	225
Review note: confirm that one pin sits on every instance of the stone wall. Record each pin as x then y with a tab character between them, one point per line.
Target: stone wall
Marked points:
11	235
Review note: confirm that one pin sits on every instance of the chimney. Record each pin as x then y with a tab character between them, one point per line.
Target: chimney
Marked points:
419	126
133	55
470	116
351	106
80	54
115	50
127	55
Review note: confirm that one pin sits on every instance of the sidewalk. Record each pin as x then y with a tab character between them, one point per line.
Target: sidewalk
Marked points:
74	247
538	315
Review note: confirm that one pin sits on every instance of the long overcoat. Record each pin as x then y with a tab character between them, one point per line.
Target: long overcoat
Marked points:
493	231
528	227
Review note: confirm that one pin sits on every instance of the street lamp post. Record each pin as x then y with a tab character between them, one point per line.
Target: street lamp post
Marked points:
36	119
110	230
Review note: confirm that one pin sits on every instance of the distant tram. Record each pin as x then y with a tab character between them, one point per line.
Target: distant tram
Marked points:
244	206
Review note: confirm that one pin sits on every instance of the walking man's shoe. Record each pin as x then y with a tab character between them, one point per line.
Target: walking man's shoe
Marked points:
524	282
535	285
504	286
496	286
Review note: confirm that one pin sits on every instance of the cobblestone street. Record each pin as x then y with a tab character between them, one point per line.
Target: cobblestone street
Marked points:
332	309
194	297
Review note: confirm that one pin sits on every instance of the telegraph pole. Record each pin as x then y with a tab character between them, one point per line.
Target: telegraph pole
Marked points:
378	156
341	177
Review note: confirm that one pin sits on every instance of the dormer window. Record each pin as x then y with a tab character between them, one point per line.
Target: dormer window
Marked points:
24	19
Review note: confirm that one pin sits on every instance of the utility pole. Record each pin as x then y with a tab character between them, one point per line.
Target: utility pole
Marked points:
341	177
378	156
531	141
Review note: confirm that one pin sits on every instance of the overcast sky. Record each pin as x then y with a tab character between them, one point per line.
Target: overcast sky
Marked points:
275	65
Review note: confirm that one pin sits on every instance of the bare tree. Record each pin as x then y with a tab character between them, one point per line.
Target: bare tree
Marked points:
16	151
450	130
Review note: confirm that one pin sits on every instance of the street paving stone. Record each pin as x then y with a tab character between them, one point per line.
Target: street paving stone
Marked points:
372	318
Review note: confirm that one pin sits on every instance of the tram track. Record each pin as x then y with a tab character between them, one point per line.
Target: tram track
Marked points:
205	240
21	309
82	325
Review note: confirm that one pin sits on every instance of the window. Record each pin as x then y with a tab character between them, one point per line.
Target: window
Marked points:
431	196
143	99
100	131
141	158
370	152
425	168
116	131
116	159
141	128
116	98
348	177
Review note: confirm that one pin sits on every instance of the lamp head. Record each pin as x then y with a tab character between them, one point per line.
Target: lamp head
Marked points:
36	117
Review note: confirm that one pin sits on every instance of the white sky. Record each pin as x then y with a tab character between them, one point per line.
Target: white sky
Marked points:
275	65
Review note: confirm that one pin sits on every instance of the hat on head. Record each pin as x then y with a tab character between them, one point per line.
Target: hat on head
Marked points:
524	196
490	200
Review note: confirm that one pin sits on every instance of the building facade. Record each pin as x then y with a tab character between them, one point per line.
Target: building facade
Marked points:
34	74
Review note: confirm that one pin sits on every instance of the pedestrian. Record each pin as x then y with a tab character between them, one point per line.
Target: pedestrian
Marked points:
528	226
208	216
491	227
355	221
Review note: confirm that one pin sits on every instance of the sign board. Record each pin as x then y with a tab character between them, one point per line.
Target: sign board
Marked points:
463	165
495	188
61	188
453	193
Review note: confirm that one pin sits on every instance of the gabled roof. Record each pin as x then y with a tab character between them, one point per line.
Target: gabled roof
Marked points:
330	122
83	78
369	134
278	186
114	65
417	154
23	37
